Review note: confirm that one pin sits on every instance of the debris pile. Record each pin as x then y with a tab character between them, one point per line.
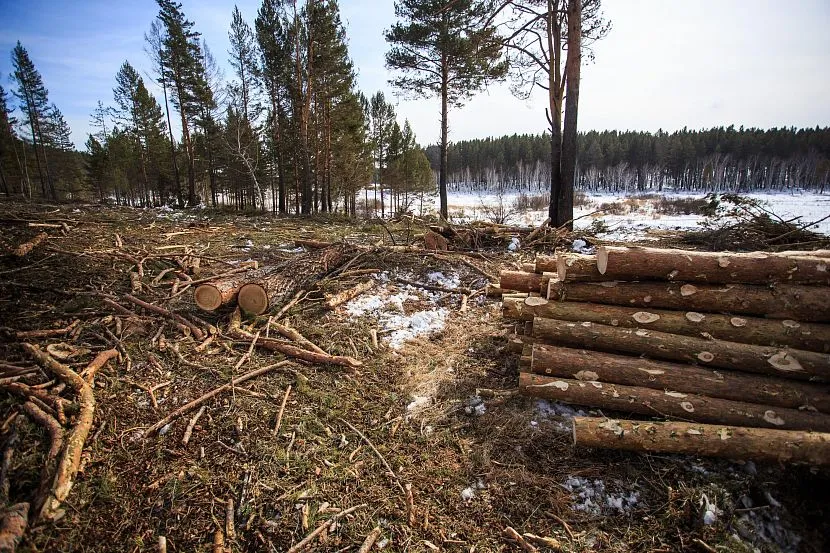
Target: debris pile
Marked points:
734	347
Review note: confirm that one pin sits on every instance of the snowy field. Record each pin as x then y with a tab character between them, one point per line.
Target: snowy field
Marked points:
642	220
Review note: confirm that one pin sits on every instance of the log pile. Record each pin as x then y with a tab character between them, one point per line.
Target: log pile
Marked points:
735	348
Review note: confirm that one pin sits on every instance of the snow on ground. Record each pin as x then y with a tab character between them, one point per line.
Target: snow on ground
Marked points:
591	497
399	309
465	207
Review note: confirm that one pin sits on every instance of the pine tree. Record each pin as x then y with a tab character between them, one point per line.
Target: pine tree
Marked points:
7	142
444	48
382	117
207	119
155	49
181	54
34	104
275	49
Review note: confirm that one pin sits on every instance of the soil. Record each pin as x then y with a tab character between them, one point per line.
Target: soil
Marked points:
473	470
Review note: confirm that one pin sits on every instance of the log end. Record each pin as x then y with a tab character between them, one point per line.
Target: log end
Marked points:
207	297
253	299
602	260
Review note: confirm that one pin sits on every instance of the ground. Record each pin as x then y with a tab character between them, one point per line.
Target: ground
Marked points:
437	406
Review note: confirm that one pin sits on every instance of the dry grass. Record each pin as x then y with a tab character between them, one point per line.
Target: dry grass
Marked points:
133	489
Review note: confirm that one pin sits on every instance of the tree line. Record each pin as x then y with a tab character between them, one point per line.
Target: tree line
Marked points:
287	132
717	159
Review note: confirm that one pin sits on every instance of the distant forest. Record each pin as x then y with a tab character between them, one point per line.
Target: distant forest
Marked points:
718	159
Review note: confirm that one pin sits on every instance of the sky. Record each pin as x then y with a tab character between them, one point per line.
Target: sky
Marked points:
666	64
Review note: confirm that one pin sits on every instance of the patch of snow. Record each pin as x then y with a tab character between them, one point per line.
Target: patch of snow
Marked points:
581	246
468	493
475	406
710	510
387	307
514	244
418	402
591	497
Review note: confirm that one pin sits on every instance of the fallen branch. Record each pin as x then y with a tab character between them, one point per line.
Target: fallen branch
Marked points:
191	425
200	400
293	334
48	333
294	301
349	294
96	364
370	540
511	534
235	331
195	330
299	546
23	249
71	457
53	428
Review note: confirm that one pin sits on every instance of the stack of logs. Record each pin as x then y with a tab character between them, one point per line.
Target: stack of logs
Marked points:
735	347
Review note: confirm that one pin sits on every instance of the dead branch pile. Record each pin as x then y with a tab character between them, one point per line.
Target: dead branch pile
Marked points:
736	347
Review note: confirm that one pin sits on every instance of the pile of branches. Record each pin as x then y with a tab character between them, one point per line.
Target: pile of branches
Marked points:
59	399
738	223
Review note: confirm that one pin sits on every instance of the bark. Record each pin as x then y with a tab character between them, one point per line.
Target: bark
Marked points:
23	249
690	407
621	263
349	294
444	146
578	267
789	363
760	444
662	375
810	253
783	301
13	524
520	280
747	330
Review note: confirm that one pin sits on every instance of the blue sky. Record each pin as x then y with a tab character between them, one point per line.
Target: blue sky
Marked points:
666	64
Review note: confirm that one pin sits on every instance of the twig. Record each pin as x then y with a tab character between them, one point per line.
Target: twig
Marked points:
282	410
192	424
230	525
294	301
378	453
200	400
349	294
797	229
563	523
162	544
247	354
299	546
433	288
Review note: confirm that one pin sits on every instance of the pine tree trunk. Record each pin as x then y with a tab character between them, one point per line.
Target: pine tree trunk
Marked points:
783	301
621	263
662	375
790	363
746	330
645	401
442	171
732	442
569	138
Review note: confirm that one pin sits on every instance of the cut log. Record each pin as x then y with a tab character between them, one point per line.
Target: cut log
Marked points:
273	286
747	330
578	267
663	375
334	300
545	264
638	263
690	407
213	295
520	281
789	363
13	523
783	301
732	442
